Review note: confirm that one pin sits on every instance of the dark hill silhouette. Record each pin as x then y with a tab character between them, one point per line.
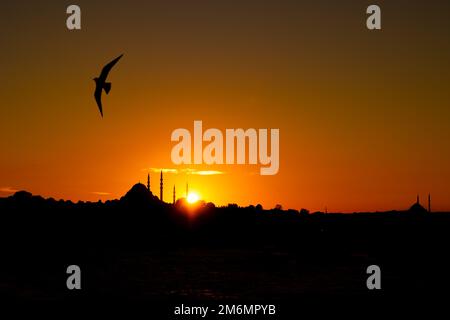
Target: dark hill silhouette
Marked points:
22	196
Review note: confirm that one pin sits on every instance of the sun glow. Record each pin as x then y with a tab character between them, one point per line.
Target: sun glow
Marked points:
192	197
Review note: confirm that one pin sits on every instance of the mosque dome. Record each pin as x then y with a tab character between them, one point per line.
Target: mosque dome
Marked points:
139	194
417	207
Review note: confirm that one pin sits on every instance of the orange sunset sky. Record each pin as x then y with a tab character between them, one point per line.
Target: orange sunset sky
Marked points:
364	116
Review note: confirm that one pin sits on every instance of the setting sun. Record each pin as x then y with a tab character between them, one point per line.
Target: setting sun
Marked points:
192	197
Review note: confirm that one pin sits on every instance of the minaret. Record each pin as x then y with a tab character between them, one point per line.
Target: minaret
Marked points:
429	203
417	199
161	187
174	194
148	182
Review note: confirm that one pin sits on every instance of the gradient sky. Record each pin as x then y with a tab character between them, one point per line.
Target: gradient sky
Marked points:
364	116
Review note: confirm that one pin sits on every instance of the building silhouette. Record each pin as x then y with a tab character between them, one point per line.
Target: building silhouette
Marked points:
417	207
161	187
148	182
174	194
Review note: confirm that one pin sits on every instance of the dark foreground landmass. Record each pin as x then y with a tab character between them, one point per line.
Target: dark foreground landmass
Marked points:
140	248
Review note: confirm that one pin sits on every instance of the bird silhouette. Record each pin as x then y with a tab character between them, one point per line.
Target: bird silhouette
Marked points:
101	84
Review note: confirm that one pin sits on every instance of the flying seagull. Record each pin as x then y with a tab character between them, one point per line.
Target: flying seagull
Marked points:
101	84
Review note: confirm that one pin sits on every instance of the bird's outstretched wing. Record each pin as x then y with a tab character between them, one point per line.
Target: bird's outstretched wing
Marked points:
98	98
106	69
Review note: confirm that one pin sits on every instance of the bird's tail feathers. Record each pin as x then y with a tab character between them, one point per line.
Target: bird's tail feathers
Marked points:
107	87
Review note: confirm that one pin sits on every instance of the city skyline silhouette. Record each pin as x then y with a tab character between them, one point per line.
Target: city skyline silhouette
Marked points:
413	207
141	248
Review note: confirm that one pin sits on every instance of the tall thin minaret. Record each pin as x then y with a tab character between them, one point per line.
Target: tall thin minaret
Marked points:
161	187
429	203
148	182
174	194
418	199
